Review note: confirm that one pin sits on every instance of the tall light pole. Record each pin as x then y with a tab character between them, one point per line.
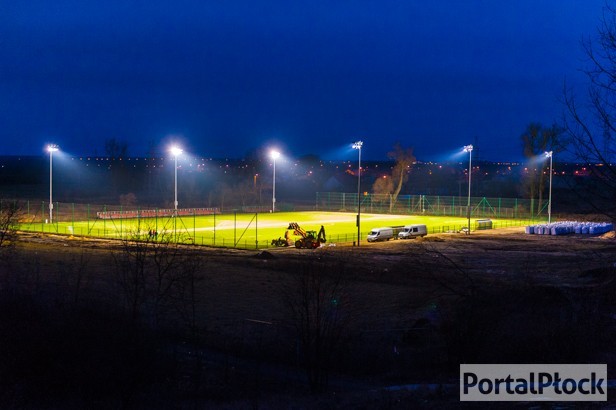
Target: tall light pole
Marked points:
548	154
469	149
176	151
275	155
357	145
51	148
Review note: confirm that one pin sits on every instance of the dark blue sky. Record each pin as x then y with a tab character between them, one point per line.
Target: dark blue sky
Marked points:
231	76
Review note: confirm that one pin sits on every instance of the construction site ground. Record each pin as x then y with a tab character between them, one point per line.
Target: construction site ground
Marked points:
393	282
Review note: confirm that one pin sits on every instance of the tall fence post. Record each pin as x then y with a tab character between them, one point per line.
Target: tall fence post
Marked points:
121	218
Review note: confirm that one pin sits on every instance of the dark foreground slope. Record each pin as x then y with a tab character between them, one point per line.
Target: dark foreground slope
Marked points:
90	323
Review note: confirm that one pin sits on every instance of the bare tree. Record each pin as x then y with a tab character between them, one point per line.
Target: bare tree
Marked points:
454	286
591	123
168	262
75	277
131	265
316	300
148	267
186	294
224	192
245	193
128	200
383	187
536	140
10	212
121	175
404	160
392	185
115	148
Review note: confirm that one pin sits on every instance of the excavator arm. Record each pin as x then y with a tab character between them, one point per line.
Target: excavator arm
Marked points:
297	230
321	235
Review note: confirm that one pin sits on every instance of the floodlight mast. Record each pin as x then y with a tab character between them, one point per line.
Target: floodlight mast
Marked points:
274	155
51	148
469	149
549	154
176	151
357	145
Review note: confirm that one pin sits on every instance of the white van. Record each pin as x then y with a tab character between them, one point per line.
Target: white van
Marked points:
413	231
380	234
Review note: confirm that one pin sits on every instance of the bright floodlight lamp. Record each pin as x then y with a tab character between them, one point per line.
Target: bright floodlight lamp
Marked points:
274	155
176	151
51	148
549	154
357	145
469	149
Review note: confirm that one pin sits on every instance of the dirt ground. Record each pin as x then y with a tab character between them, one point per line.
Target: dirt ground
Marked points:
390	276
395	289
499	251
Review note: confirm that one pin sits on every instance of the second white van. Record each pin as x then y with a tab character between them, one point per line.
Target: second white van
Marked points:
413	231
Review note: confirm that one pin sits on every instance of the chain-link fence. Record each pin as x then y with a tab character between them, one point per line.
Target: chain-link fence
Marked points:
248	228
235	229
481	207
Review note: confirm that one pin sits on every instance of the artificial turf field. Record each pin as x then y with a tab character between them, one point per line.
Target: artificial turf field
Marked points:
250	230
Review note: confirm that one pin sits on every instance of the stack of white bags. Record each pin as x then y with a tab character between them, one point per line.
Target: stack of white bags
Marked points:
569	227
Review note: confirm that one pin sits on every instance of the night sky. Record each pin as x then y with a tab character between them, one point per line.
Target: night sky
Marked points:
227	77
